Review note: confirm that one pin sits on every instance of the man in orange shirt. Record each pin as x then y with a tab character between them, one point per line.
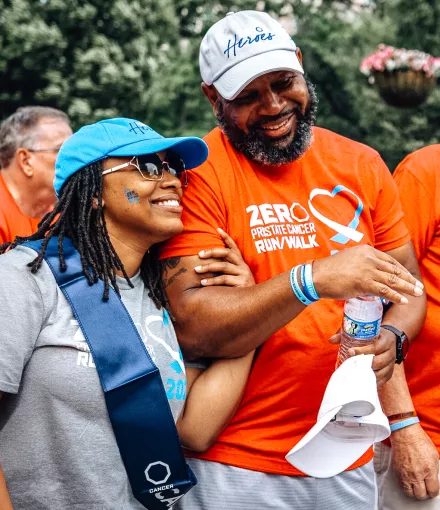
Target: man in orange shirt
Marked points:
412	462
29	144
288	194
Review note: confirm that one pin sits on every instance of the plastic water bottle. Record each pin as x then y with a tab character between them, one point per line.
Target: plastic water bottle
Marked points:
361	324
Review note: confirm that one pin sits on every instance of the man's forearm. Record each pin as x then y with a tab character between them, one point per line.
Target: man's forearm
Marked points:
230	322
409	319
394	395
235	320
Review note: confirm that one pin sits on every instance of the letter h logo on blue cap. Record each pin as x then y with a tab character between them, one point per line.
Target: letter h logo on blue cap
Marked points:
124	138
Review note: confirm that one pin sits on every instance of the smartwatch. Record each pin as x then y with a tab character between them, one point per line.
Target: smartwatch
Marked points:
402	343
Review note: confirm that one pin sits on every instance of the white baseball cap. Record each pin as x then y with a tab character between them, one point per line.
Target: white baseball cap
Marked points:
243	46
350	420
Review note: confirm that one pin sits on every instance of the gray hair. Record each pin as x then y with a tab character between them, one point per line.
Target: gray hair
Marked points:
18	130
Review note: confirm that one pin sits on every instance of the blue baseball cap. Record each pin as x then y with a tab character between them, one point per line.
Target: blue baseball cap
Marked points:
120	137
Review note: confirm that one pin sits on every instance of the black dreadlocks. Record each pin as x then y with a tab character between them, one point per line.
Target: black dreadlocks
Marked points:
75	217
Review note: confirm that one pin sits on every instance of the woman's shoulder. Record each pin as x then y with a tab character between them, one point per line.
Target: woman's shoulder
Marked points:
15	272
17	256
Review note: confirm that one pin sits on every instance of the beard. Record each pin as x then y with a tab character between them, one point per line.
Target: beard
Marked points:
258	147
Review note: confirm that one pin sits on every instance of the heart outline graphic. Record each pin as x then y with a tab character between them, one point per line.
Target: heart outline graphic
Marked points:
344	233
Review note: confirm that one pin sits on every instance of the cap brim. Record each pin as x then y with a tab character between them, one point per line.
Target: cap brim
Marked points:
330	448
192	150
233	81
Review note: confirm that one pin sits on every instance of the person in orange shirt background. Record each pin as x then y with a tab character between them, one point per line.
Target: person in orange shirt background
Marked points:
294	198
412	461
29	143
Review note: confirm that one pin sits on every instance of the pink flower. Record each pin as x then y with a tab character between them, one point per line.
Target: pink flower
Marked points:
390	58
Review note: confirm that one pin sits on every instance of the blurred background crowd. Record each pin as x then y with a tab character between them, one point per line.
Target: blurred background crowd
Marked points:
139	58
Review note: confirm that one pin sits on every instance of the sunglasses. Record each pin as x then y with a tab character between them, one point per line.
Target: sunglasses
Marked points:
151	167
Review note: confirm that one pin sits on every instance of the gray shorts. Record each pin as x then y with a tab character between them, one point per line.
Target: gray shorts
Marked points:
223	487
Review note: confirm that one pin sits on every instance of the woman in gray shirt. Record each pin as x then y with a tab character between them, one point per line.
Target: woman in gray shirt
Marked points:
119	186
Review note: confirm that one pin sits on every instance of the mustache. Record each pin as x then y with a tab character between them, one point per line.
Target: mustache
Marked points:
273	118
257	147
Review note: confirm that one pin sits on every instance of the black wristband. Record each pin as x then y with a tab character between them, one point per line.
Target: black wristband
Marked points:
402	343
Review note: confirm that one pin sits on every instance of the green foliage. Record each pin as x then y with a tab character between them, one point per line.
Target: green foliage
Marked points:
419	24
103	58
93	59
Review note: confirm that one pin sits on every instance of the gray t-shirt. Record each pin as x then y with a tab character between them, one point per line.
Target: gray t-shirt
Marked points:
57	446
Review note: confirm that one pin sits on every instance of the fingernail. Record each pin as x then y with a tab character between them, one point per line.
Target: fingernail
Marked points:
201	253
220	229
404	301
197	268
203	282
351	353
418	291
420	284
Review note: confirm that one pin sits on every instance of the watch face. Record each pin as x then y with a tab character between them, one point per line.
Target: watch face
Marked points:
405	347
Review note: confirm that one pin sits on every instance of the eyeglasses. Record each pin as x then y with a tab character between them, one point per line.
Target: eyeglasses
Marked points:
151	167
55	149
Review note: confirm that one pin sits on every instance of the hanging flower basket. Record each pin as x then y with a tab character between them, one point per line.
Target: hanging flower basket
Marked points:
405	89
404	78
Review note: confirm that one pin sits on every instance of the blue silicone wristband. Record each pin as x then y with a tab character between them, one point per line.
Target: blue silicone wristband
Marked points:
296	288
404	423
302	273
309	282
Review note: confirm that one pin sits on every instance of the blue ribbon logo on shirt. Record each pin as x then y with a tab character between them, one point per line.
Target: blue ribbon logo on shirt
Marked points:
344	233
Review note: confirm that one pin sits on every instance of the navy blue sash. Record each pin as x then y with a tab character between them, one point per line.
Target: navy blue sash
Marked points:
136	401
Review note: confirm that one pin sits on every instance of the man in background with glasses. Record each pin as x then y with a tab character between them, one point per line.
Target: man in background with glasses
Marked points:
29	143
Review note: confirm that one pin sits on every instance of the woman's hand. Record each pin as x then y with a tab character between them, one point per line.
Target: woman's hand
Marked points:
234	272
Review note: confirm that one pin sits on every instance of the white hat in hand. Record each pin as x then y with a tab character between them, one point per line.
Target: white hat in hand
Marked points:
350	420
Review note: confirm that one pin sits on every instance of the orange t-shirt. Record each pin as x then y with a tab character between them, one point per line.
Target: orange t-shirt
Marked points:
418	180
12	221
339	194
